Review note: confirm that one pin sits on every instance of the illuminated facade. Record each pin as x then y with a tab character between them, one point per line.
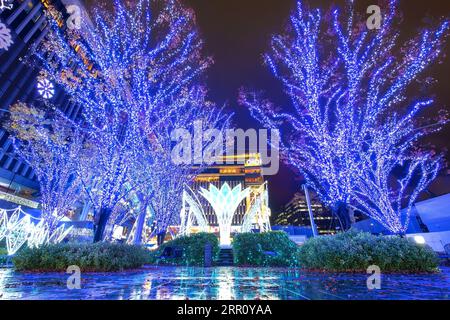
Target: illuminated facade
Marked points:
239	180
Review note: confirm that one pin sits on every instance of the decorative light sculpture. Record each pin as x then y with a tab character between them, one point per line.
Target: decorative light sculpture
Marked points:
14	229
3	224
18	229
45	88
194	214
225	202
38	235
59	234
6	4
258	211
250	216
17	232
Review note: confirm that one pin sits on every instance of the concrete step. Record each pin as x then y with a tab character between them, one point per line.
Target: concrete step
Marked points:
225	257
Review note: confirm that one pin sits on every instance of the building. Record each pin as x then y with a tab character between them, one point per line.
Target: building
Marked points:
248	174
252	212
28	27
295	213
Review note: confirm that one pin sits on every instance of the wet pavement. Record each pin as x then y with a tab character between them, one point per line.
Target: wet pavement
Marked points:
222	283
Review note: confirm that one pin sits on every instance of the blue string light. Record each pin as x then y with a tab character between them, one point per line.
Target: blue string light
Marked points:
344	85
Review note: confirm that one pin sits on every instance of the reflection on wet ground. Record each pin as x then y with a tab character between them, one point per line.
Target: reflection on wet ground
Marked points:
222	283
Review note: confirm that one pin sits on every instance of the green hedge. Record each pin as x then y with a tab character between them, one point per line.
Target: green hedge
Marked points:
354	251
3	254
264	249
100	256
193	247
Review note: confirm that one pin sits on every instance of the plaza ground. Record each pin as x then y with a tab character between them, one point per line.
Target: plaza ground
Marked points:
222	283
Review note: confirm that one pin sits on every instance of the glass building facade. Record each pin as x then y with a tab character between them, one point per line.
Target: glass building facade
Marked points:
18	82
295	213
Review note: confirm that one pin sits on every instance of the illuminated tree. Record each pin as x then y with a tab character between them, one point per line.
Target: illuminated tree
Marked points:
394	172
52	149
162	176
129	71
343	82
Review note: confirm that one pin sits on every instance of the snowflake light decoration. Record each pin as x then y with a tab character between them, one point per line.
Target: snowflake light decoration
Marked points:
6	4
45	88
5	37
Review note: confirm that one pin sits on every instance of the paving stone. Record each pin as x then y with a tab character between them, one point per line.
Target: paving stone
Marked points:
222	283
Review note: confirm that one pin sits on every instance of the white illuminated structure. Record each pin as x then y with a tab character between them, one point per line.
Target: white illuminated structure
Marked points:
225	202
18	229
259	211
38	235
45	88
191	213
14	229
234	199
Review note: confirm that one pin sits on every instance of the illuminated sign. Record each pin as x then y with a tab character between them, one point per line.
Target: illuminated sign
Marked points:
18	200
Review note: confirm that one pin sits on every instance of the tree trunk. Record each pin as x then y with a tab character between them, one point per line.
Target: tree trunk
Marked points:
140	225
160	237
340	211
99	227
51	225
85	211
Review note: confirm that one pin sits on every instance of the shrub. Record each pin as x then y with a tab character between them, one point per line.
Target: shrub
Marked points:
355	251
100	256
264	249
3	254
193	250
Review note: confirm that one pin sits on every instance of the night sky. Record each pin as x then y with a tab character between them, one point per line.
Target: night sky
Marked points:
237	33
